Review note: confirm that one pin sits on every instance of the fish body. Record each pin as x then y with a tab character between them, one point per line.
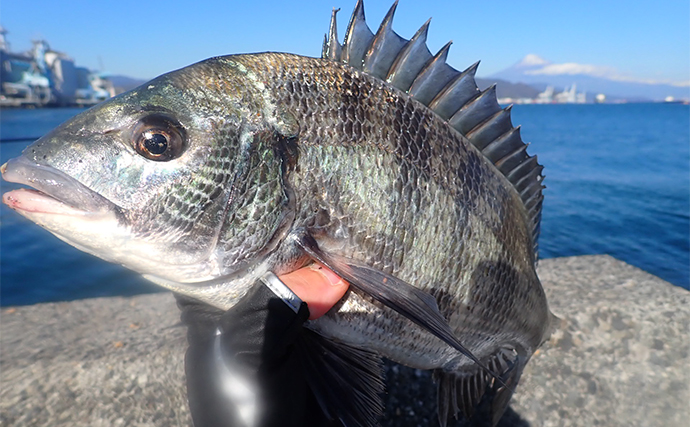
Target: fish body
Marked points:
207	177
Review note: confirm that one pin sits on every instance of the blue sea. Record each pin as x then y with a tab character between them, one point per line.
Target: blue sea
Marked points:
617	182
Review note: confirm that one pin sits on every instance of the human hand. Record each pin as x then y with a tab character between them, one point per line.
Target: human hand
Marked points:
317	286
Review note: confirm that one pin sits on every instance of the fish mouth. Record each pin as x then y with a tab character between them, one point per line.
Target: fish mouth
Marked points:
53	191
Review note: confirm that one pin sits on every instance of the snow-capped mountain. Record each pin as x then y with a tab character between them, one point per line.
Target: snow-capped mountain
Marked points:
593	79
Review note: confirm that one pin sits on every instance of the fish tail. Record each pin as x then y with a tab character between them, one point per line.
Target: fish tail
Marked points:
552	325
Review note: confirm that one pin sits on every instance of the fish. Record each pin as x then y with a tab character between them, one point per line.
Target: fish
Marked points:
378	160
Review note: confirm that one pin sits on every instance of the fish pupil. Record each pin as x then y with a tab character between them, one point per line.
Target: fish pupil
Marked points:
158	137
155	143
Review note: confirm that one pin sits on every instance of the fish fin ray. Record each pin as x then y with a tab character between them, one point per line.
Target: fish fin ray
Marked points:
490	130
410	61
451	94
384	48
476	111
433	77
512	160
474	394
332	49
498	149
456	93
398	295
346	381
358	38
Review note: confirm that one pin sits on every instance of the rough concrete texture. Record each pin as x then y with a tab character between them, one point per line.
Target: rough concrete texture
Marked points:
619	358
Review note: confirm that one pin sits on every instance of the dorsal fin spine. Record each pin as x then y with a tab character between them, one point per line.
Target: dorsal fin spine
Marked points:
532	201
512	160
433	77
502	147
529	181
492	128
331	47
475	111
456	93
384	48
410	60
454	96
522	169
358	38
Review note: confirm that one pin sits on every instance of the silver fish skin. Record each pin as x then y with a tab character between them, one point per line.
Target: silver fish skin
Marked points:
205	178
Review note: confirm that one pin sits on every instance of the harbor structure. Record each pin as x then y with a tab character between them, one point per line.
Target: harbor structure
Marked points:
568	96
46	77
550	95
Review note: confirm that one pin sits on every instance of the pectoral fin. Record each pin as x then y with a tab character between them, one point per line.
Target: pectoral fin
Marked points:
411	302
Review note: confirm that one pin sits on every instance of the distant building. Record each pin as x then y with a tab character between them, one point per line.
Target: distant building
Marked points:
44	77
21	80
545	97
568	96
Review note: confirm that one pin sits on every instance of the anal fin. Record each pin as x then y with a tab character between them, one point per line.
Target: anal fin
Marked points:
482	400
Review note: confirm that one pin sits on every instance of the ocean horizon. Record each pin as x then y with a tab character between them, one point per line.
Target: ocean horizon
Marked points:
617	182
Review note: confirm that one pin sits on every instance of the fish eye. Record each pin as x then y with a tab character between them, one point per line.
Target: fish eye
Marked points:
159	138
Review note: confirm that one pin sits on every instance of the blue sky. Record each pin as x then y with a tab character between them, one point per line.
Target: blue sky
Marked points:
643	39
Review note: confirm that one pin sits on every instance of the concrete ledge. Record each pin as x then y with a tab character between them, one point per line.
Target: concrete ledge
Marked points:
620	358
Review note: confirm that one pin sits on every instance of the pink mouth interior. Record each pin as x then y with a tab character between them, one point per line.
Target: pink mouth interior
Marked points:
32	201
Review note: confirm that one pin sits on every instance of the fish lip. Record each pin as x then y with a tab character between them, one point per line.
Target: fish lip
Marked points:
53	190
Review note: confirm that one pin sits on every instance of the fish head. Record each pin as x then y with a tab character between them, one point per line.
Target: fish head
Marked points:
155	179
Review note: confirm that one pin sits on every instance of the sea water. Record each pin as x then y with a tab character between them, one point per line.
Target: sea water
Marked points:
617	182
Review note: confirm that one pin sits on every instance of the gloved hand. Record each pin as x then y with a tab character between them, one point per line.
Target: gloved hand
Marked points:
241	365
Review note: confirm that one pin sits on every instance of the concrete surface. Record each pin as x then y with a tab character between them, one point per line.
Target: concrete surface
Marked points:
620	358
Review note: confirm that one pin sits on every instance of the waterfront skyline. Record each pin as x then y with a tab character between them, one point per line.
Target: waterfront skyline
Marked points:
637	41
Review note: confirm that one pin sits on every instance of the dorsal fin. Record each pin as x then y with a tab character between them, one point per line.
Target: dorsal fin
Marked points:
409	66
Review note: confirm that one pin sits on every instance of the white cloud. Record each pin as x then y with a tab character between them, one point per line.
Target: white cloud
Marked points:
573	68
532	59
610	73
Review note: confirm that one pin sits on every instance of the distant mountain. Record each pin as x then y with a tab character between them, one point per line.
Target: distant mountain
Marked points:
536	71
506	89
124	83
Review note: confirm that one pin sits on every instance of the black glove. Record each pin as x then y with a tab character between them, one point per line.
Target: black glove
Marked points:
242	366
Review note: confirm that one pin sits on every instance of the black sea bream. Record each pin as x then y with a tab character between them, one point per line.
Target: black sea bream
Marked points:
378	160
